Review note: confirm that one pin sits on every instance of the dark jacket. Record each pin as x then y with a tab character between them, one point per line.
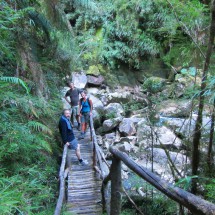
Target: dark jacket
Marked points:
66	134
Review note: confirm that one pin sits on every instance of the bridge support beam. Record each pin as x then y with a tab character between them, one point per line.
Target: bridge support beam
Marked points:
116	187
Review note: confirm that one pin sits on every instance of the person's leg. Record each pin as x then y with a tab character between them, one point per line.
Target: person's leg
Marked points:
82	126
77	117
74	145
78	152
85	127
82	122
87	120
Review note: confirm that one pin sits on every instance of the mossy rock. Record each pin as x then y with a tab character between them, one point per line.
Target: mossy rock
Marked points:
93	70
154	84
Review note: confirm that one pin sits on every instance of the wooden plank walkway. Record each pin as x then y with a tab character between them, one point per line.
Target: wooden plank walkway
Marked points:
84	186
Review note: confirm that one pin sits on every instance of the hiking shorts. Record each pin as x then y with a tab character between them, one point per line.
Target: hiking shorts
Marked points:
85	117
74	110
73	144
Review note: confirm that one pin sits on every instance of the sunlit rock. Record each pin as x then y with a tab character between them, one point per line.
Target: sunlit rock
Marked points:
127	127
172	108
110	124
79	79
94	80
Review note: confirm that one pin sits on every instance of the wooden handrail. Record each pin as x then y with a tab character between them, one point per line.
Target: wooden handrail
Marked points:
194	203
98	156
62	177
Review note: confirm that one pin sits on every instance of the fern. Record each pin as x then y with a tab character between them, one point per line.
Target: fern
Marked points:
15	80
89	4
37	126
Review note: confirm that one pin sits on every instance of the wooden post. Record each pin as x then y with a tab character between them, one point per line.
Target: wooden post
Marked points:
194	203
116	184
105	194
62	183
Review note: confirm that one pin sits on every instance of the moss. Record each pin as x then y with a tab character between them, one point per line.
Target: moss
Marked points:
93	70
154	84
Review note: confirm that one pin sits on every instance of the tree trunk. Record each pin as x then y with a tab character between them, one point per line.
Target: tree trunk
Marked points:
197	133
210	145
29	63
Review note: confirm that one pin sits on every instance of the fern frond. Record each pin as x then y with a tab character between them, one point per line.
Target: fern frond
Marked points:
15	80
45	145
37	126
89	4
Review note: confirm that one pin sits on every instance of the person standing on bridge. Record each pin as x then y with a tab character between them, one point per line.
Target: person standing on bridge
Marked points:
68	137
85	111
73	93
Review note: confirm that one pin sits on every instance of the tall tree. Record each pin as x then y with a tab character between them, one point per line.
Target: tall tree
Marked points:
197	133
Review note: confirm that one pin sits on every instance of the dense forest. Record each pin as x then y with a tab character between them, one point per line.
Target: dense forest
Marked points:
128	42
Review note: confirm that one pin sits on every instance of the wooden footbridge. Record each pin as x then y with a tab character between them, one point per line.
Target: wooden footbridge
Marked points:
84	185
97	187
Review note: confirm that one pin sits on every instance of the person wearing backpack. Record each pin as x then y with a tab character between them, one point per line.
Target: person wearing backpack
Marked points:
85	111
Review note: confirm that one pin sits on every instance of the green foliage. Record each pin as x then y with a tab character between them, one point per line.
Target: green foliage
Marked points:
28	191
132	106
27	143
210	188
186	182
110	115
106	36
15	80
153	84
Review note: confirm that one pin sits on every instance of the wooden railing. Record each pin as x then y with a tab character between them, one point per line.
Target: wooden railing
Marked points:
62	176
98	155
98	159
112	203
194	204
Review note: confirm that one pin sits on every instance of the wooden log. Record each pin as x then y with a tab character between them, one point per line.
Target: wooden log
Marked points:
105	196
97	153
195	204
62	183
116	186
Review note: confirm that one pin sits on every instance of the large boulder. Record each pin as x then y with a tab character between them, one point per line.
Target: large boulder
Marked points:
154	84
125	147
97	121
79	79
126	127
97	104
158	136
110	124
171	108
108	139
185	127
95	80
119	97
66	105
93	91
160	162
115	109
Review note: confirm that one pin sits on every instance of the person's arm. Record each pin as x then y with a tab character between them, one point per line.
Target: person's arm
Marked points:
79	107
91	106
66	97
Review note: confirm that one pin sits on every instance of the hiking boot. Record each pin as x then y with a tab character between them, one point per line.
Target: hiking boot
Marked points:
79	126
81	136
83	163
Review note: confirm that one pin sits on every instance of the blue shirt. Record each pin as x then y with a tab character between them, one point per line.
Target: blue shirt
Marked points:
85	106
